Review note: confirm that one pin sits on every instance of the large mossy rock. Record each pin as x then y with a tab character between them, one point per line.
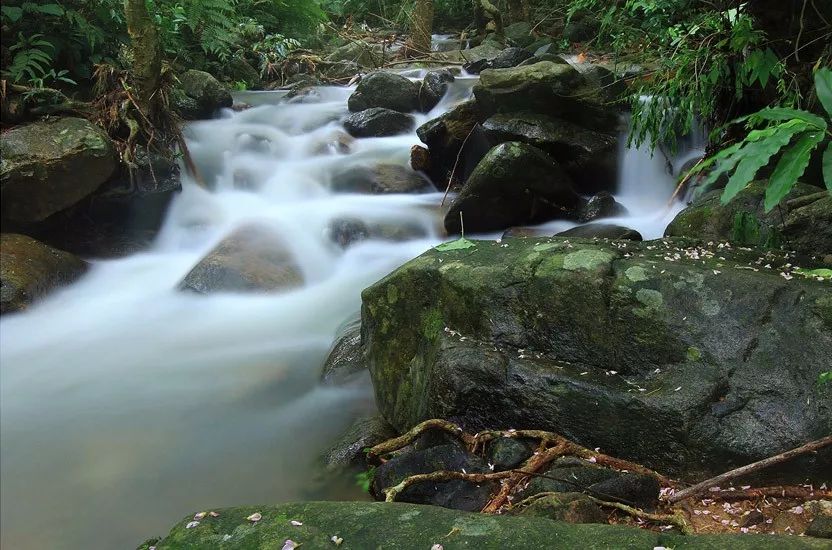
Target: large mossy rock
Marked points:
400	526
387	90
207	95
514	184
251	259
549	88
588	156
30	269
378	122
802	222
657	352
51	165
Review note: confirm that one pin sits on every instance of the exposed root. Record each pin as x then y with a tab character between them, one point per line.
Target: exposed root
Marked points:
411	435
391	493
764	492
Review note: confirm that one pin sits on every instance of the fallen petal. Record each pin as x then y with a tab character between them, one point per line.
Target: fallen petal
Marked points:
191	524
255	517
296	523
289	544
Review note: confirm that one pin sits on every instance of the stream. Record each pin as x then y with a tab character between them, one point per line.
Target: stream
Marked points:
126	404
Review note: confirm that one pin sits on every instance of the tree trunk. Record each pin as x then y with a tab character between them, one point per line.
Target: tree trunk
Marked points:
147	59
422	25
518	10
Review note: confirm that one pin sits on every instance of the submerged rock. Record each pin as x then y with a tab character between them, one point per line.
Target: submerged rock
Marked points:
514	184
387	90
346	357
380	179
682	358
30	269
51	165
398	525
251	259
602	205
207	95
346	232
378	122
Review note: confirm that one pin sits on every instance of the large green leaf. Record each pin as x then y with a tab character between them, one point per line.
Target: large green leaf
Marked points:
782	114
459	244
754	156
823	86
827	166
790	167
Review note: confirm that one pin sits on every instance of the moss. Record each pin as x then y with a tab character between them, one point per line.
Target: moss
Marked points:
636	274
652	299
694	354
432	324
589	259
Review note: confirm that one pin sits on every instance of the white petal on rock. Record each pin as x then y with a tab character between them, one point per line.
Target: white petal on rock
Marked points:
336	540
296	523
289	544
200	515
255	517
213	514
437	547
191	524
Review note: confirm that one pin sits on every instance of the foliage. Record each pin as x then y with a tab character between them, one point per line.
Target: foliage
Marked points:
797	133
364	480
825	378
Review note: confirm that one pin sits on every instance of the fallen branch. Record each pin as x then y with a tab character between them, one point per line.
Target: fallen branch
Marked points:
699	488
764	492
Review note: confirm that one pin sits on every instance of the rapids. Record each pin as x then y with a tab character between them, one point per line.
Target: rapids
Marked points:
125	404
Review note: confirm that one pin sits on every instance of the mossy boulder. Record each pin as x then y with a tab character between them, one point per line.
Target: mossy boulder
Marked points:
549	88
30	269
49	166
602	231
387	90
378	122
588	156
802	222
691	360
251	259
514	184
400	526
200	95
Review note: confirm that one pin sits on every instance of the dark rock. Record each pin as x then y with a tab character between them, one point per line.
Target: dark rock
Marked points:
602	205
359	52
803	222
597	321
420	158
207	93
398	525
602	231
251	259
514	184
821	527
570	507
380	179
458	495
547	88
378	122
346	232
346	357
237	69
519	34
589	157
339	70
506	453
433	88
387	90
348	451
581	27
49	166
641	491
30	269
755	517
510	57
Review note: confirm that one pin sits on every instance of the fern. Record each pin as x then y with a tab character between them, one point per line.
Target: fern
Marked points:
32	58
771	131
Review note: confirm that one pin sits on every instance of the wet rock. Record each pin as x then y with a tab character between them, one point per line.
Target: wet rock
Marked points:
433	88
30	269
602	205
346	357
506	453
589	157
755	517
346	232
420	158
571	507
458	494
360	52
378	122
514	184
510	57
602	231
340	71
348	451
821	527
49	166
236	69
563	334
487	50
206	93
251	259
803	221
547	88
398	525
445	136
380	179
387	90
519	34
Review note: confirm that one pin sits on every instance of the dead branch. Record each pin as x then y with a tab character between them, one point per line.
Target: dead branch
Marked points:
796	492
699	488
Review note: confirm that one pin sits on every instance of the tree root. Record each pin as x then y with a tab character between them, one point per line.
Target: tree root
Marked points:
764	492
391	493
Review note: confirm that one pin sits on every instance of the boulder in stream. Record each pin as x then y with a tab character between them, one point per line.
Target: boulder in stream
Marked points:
203	95
251	259
48	166
689	359
602	231
387	90
30	269
378	122
433	88
514	184
601	205
380	179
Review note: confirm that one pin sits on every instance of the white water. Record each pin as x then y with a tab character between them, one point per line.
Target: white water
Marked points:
125	404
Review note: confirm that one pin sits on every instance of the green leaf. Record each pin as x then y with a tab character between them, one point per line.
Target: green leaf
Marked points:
827	166
51	9
754	156
459	244
783	114
823	86
12	13
790	167
823	273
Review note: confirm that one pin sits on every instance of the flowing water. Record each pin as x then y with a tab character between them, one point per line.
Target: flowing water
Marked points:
125	404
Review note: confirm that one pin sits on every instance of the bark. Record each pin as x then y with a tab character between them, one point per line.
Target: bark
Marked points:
422	26
147	59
